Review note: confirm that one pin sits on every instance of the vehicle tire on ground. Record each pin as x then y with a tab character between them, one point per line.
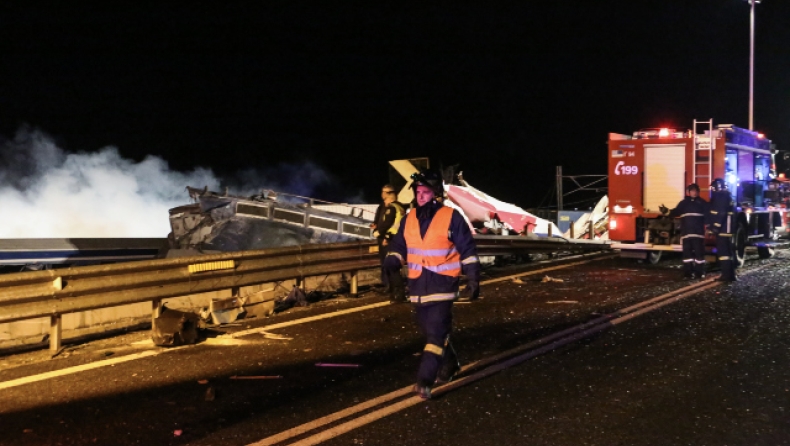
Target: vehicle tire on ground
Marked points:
739	239
653	257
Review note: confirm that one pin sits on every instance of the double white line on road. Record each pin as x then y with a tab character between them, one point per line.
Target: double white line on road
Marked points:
483	368
159	351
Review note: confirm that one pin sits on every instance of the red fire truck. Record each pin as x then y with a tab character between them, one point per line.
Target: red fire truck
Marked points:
652	167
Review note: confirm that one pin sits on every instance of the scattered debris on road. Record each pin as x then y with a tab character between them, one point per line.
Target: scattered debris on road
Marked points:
331	364
257	377
551	279
268	335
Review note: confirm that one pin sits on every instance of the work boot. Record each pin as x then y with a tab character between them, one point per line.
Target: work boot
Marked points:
398	296
448	372
422	390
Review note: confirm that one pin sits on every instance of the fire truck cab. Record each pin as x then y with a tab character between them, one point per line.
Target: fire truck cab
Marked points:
652	167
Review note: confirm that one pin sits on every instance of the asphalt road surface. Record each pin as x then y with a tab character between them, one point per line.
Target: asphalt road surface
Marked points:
711	368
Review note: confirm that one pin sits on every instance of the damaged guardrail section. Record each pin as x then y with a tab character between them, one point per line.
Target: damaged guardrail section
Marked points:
53	293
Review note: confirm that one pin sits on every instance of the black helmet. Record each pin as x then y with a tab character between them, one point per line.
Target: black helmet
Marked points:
691	187
429	178
718	184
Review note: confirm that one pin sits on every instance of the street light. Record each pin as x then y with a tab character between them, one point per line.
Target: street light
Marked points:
751	64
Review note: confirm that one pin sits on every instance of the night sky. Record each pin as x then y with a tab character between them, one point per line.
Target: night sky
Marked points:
508	91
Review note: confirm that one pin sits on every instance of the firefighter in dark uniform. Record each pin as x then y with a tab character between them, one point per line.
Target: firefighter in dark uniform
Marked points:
385	225
722	225
388	217
437	244
692	211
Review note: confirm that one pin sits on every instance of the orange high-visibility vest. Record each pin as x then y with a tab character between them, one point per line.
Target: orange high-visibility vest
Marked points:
435	252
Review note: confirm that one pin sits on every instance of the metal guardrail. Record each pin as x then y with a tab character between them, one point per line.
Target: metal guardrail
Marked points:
52	293
56	292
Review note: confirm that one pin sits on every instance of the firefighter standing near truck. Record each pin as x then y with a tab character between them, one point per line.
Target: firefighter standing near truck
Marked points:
692	211
385	226
722	225
436	243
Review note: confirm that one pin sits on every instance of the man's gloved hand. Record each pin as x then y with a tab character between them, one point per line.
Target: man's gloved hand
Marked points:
664	210
472	290
470	293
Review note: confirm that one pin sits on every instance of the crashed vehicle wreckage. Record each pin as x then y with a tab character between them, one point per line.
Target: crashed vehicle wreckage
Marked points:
220	222
223	222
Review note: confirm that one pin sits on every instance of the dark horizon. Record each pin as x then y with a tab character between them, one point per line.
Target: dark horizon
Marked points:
508	92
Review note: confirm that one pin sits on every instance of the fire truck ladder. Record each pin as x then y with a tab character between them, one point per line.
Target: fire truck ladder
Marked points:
703	154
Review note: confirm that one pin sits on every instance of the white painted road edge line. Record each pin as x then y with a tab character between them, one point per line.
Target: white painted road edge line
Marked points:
82	368
305	320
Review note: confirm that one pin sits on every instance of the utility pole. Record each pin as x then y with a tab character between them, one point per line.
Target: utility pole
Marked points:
753	3
559	188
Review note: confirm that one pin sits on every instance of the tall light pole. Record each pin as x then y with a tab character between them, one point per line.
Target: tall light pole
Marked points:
751	64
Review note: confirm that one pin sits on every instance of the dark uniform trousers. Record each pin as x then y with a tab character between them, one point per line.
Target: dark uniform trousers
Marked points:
435	320
693	255
383	250
725	250
723	225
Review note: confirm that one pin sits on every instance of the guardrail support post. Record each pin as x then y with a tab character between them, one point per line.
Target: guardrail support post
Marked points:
573	223
55	332
156	310
354	283
591	231
550	225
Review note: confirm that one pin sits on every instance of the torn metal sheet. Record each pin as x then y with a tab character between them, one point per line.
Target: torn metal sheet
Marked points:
226	311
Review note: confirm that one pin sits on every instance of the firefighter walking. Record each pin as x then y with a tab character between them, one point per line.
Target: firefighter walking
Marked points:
722	225
692	211
436	243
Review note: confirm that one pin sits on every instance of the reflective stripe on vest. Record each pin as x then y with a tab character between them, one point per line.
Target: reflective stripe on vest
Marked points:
398	216
435	252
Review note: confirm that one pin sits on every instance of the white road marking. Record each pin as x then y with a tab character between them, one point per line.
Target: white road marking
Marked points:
82	368
305	320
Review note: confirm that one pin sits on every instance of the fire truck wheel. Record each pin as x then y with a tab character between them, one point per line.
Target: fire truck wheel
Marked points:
739	238
765	252
654	257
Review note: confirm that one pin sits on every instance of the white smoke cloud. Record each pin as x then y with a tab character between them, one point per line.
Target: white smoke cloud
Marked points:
46	192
